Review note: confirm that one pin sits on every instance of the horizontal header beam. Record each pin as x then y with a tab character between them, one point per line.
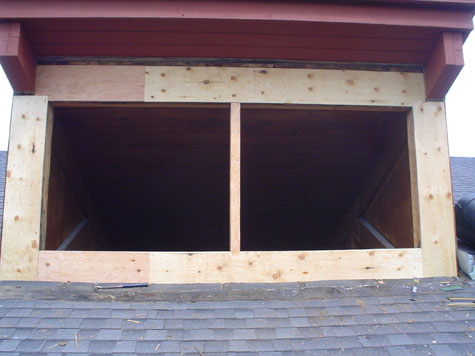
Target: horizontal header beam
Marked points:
156	84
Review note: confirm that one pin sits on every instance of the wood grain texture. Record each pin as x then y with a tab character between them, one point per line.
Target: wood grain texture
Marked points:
46	177
437	225
235	179
93	266
23	188
390	212
289	266
416	225
91	83
64	213
282	86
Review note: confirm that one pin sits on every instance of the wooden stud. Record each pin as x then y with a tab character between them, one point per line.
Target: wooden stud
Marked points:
93	266
46	174
23	188
436	213
283	266
416	224
235	180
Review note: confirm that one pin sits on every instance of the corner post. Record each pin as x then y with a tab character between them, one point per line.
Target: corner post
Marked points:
235	179
23	188
432	189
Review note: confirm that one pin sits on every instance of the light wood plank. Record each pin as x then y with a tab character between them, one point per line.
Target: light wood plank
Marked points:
23	188
288	266
282	85
91	83
93	266
46	176
416	224
434	192
235	179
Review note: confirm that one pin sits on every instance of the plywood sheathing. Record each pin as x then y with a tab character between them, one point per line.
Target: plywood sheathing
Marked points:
92	266
23	193
433	188
226	85
225	267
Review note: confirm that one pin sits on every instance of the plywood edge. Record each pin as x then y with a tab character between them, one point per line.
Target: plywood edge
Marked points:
288	266
93	266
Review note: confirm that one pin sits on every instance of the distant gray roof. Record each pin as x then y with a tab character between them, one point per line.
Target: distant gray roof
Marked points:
353	318
3	168
463	176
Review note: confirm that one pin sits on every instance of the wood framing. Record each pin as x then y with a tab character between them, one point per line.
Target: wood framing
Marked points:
92	266
432	214
434	189
226	85
235	179
226	267
23	188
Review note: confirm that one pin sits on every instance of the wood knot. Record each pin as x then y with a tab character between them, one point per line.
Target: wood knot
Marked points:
350	82
220	268
431	196
206	81
47	264
371	253
163	75
164	90
34	244
301	257
233	77
139	270
310	76
16	218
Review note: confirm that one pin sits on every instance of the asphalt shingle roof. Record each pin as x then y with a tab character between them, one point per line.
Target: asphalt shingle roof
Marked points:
463	176
319	318
3	168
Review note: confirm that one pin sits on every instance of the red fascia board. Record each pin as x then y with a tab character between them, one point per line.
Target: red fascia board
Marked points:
453	19
444	65
16	57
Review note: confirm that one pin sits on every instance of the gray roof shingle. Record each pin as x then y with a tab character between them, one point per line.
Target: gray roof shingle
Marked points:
463	176
318	318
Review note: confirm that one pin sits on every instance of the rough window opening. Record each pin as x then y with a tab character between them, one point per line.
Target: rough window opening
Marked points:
303	172
157	179
144	178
